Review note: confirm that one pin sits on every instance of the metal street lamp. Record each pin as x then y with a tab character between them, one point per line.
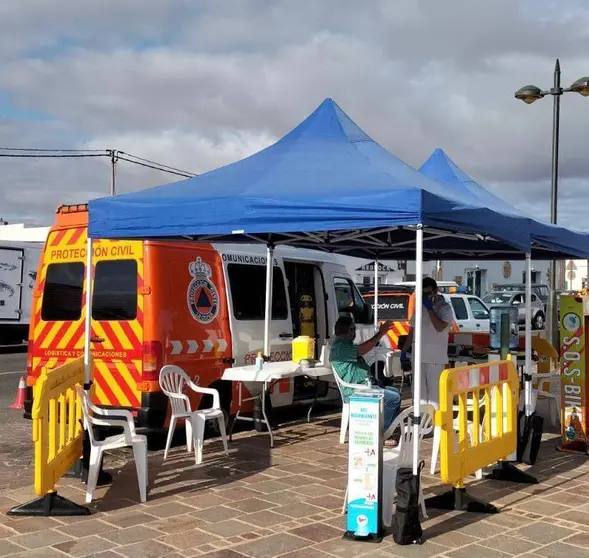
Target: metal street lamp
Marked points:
528	94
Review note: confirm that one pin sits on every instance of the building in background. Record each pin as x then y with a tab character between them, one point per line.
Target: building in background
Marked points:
480	276
388	273
574	275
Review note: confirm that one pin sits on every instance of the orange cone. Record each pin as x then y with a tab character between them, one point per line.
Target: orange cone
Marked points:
19	400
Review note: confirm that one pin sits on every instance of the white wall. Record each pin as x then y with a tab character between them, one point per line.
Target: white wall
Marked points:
451	269
19	233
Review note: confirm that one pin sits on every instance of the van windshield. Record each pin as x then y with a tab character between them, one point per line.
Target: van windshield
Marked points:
391	307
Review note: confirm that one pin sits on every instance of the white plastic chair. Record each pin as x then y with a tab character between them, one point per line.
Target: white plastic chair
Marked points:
172	381
552	381
94	416
401	456
345	405
394	369
546	378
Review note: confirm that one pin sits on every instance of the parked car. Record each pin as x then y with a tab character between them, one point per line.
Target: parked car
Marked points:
518	298
470	312
540	290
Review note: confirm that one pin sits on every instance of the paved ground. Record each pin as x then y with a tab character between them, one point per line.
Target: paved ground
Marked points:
262	503
15	449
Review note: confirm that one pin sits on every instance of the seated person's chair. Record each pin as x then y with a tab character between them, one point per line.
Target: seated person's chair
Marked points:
345	405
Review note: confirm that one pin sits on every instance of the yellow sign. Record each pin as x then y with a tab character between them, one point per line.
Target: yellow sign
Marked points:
572	336
103	250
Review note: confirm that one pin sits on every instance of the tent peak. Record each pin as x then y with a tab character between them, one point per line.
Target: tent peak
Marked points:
328	122
441	167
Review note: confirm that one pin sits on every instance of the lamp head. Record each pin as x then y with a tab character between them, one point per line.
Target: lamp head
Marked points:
581	86
528	94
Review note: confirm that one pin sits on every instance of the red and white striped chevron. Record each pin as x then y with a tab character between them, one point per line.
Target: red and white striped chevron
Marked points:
468	378
191	346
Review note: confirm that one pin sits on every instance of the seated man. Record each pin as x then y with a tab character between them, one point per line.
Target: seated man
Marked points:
349	364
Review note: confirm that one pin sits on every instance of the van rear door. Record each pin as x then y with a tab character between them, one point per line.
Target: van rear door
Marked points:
117	322
58	334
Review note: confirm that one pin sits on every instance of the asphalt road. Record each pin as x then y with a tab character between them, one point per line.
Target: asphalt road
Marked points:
16	449
12	367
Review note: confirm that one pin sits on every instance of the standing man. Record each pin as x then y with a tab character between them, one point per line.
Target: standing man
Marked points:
435	324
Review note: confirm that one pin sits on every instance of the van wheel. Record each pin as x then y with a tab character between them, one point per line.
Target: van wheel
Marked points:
539	321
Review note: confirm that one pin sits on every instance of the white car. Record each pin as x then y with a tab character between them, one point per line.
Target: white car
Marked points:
470	312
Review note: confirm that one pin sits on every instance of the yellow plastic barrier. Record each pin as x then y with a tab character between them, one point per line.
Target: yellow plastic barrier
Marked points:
57	436
57	423
478	426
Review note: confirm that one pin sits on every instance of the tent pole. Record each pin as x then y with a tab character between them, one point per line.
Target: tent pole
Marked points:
417	344
88	317
376	293
528	335
269	286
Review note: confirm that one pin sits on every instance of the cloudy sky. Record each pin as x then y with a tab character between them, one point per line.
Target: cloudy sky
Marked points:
200	83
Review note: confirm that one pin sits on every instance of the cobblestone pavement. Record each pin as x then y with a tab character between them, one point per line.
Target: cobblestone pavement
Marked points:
263	503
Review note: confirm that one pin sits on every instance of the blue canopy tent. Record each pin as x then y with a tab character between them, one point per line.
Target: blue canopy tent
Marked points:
325	185
444	170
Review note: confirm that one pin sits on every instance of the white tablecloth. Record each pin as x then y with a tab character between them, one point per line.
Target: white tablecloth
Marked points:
274	371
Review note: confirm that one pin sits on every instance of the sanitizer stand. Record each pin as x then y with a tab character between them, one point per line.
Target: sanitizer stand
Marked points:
365	467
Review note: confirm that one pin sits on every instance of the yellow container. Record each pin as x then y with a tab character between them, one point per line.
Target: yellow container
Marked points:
303	348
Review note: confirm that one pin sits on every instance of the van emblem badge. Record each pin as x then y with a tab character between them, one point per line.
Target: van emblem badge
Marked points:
202	295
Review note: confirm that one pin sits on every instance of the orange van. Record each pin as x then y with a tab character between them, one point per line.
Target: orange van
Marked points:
199	306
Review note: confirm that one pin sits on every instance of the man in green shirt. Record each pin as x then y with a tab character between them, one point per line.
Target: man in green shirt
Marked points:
349	364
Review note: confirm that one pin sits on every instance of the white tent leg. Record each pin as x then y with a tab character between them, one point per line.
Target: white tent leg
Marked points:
88	317
528	335
417	344
269	287
376	294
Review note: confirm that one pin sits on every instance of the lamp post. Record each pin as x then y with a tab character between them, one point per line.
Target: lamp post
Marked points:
528	94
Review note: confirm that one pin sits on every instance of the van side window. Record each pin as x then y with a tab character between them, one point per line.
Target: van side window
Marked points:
62	294
115	291
459	308
248	292
350	301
